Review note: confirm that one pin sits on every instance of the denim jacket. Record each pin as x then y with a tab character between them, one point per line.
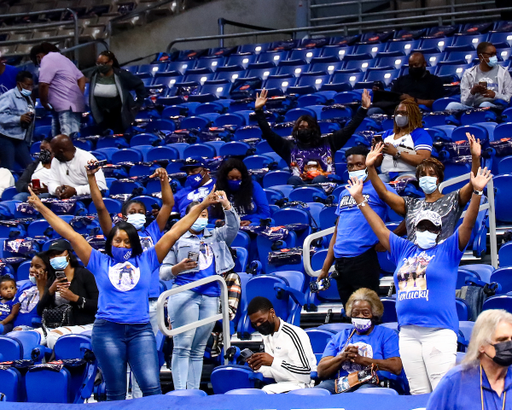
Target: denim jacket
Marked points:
218	239
12	106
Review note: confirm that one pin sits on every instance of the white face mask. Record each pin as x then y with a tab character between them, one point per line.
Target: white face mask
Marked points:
361	324
137	220
426	239
32	279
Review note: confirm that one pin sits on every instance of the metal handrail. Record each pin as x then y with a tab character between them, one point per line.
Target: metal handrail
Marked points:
222	23
135	13
306	251
224	316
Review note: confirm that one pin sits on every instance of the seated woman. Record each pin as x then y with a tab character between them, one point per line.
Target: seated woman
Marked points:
425	279
352	350
77	289
484	379
308	144
430	174
246	195
406	145
199	253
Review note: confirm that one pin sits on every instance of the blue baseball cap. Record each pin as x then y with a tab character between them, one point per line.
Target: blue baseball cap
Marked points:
193	162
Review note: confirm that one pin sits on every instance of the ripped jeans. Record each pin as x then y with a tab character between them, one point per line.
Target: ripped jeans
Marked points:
427	354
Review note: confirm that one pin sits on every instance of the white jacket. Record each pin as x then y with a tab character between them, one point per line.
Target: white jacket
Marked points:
294	359
468	80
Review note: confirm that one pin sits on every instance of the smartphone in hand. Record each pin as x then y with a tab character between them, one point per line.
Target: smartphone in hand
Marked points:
36	184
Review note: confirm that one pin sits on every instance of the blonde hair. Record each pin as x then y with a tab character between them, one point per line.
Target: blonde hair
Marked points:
369	296
483	331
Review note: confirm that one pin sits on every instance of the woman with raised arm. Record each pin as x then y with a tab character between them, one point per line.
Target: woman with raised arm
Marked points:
430	174
122	333
425	279
308	148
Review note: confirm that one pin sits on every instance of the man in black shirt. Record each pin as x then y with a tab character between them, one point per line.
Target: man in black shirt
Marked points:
419	84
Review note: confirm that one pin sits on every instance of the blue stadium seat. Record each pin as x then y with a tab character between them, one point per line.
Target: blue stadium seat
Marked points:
435	44
13	385
328	217
152	68
143	149
256	71
344	81
212	90
126	155
160	125
278	84
309	83
505	165
291	215
383	75
273	196
241	240
107	152
459	57
503	276
145	139
395	62
113	205
462	309
305	54
336	327
459	133
328	67
241	60
359	65
247	392
230	73
337	51
197	123
292	67
385	391
503	198
210	62
310	392
149	201
157	153
452	69
467	42
503	130
199	150
273	57
306	194
187	393
389	310
372	49
498	302
123	187
234	148
404	47
254	48
262	147
257	161
166	80
295	113
505	255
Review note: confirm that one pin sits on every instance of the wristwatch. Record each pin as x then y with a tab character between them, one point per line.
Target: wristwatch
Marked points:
479	193
397	156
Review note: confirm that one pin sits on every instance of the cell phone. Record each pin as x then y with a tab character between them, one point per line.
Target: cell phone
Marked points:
246	353
316	287
97	164
193	256
483	83
60	274
36	184
377	139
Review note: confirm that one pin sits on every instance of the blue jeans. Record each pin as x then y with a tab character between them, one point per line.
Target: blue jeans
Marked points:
455	106
115	345
330	385
23	196
66	122
187	357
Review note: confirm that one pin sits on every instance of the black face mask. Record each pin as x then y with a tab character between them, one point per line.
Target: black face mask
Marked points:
417	72
503	353
266	328
104	69
45	156
307	137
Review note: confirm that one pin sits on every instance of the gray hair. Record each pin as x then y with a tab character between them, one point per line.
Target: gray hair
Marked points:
483	331
369	296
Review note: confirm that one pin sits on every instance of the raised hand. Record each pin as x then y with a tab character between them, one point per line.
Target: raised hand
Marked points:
474	145
355	188
261	100
223	199
481	179
211	199
161	174
366	100
34	200
92	164
374	154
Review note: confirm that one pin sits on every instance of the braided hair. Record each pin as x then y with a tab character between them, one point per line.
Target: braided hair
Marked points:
414	114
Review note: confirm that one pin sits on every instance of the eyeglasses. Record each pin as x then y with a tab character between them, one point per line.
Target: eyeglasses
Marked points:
489	54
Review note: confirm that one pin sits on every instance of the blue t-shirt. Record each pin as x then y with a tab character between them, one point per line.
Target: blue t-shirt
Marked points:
380	344
6	306
149	237
206	268
460	389
123	287
355	236
186	195
28	296
425	280
258	209
8	79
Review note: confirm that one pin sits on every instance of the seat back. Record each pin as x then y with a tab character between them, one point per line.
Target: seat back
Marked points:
39	382
503	276
10	349
319	339
231	377
28	341
499	302
11	384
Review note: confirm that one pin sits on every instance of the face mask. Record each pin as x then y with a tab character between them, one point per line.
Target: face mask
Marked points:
32	279
199	224
308	137
26	93
361	174
234	185
426	239
417	72
121	254
401	120
428	184
503	353
493	61
193	181
104	69
362	325
59	263
137	220
45	156
266	328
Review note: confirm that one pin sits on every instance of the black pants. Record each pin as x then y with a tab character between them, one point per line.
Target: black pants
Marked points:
112	120
13	151
361	271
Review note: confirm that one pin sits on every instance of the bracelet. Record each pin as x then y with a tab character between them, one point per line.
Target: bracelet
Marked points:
479	193
362	204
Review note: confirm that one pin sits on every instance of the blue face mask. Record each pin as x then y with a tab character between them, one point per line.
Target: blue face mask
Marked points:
193	181
137	220
26	93
493	61
426	239
121	254
59	263
428	184
361	174
234	185
199	224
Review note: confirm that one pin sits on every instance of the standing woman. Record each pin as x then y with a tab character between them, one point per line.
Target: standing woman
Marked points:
122	333
425	302
112	104
246	195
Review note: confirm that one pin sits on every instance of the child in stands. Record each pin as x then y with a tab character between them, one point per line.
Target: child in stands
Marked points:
9	303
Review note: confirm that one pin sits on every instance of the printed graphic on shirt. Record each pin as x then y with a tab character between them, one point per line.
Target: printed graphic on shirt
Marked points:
29	299
349	202
5	309
205	256
124	276
146	242
3	89
198	194
412	277
491	82
365	350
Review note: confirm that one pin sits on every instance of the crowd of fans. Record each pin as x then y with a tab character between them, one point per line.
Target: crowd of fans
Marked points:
115	293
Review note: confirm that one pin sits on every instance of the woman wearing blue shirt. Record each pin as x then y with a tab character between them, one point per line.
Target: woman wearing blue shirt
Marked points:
246	195
199	253
484	379
122	333
425	279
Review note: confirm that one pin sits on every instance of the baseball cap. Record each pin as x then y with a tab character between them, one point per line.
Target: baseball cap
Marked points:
427	215
60	246
193	162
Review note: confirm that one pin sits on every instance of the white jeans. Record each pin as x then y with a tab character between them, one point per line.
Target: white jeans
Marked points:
427	354
55	334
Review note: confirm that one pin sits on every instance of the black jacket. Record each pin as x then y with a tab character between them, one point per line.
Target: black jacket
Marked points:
26	177
83	284
125	82
283	147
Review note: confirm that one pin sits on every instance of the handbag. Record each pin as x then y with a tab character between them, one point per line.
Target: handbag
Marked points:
355	379
53	318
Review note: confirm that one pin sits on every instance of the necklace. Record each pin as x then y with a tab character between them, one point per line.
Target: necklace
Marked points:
482	393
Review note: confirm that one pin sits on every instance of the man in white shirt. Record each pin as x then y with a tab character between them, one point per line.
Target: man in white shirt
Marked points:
288	356
68	174
6	180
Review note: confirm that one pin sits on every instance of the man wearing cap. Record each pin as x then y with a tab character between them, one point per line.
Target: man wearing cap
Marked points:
197	186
